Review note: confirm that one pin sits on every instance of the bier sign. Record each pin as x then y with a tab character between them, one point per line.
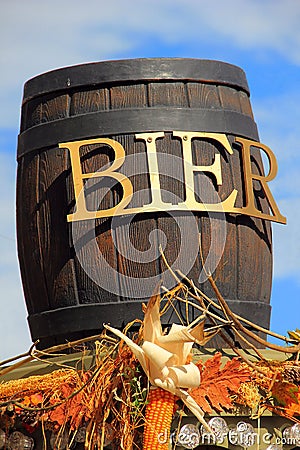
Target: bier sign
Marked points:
228	205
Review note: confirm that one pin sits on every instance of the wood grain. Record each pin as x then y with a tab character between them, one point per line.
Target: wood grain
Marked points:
98	195
54	235
52	274
28	234
132	233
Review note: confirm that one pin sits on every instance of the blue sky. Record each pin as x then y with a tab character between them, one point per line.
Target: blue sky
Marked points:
261	36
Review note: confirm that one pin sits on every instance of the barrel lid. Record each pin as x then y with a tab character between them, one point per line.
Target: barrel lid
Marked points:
139	69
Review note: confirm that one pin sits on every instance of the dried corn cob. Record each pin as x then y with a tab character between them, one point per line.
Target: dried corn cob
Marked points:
159	414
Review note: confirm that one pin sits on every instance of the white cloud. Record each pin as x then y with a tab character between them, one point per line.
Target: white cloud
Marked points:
39	36
286	242
7	196
278	119
14	332
268	24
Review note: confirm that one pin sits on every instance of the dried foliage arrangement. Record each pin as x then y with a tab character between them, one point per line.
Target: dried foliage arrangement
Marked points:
218	384
140	379
111	392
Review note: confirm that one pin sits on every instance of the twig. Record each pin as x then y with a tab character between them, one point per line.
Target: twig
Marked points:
50	407
168	266
202	309
205	308
242	319
212	318
54	349
22	355
240	327
249	344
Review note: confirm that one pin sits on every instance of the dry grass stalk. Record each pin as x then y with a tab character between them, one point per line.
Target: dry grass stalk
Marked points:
113	392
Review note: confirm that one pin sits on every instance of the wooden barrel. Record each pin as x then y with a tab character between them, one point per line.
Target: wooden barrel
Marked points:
72	288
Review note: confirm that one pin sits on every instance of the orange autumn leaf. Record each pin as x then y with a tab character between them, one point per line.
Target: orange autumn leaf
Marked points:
288	396
57	415
73	410
285	393
26	401
36	399
32	400
292	410
218	384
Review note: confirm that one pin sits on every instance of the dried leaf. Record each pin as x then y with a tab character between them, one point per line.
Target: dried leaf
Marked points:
73	410
295	334
26	401
285	393
218	384
36	399
57	415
